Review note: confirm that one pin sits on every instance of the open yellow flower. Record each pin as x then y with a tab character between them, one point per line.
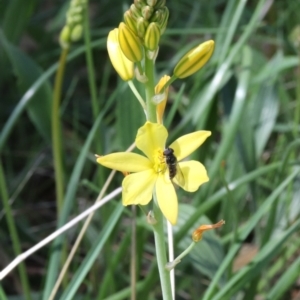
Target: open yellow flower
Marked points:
151	173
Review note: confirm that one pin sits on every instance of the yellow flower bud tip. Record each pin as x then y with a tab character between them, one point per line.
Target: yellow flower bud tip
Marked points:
151	2
194	60
152	36
160	108
123	66
141	25
130	43
76	33
135	11
147	12
130	21
64	37
197	234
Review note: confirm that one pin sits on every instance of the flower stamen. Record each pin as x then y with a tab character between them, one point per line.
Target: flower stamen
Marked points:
159	165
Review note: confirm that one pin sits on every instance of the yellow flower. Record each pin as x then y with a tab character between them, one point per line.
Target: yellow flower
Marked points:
151	173
123	66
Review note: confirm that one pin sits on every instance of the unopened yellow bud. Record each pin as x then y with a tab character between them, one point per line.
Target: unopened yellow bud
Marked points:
130	43
194	60
64	37
151	2
123	66
135	11
197	234
147	12
160	108
152	36
130	21
139	3
76	33
142	25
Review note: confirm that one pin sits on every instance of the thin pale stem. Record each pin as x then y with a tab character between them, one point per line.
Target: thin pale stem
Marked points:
161	256
133	254
171	265
171	256
137	94
57	233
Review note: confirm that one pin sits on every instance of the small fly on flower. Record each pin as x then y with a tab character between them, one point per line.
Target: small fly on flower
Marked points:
173	166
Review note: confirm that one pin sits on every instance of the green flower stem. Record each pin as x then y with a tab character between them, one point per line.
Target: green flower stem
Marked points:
171	265
137	95
90	63
13	234
169	82
56	132
161	256
149	86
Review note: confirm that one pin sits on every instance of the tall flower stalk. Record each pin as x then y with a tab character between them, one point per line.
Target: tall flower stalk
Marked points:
133	48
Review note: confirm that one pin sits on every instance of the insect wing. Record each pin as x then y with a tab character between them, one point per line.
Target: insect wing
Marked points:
179	178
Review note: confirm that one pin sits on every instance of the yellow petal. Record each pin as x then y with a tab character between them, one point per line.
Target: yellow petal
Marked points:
188	143
120	62
160	108
167	198
138	187
194	174
125	162
150	138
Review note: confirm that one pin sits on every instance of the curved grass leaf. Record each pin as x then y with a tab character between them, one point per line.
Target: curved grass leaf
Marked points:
27	72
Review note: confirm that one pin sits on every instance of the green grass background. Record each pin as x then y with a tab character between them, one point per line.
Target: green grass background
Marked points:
248	95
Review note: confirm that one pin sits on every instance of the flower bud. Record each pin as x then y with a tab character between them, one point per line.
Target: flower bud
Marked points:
123	66
147	12
160	108
76	33
130	43
156	17
194	60
64	37
130	21
135	11
151	2
152	36
164	19
141	25
139	3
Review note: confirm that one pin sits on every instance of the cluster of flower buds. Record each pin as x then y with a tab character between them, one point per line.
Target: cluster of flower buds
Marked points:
72	31
139	35
147	19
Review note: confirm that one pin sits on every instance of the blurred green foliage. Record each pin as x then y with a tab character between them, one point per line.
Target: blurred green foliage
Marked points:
248	96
